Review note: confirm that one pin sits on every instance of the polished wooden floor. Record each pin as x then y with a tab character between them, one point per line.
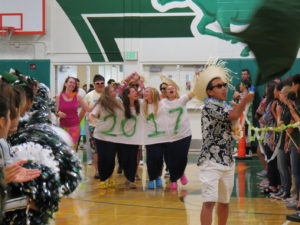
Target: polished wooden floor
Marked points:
120	206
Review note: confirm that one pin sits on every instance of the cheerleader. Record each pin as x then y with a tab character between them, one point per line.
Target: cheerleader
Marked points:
155	138
13	172
179	131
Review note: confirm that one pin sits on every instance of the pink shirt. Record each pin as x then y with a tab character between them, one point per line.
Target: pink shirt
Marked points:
70	109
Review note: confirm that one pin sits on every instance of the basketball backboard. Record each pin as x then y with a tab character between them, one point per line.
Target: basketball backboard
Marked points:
25	16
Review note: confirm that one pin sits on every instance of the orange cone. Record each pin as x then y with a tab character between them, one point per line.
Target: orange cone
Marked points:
242	144
242	147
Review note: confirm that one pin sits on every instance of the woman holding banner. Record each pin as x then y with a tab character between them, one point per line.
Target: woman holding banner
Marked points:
155	138
129	150
106	111
179	132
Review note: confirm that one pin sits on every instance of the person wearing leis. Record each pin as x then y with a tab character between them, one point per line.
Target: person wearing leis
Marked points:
67	104
216	163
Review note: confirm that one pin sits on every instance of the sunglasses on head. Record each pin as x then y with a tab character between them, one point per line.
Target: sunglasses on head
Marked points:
219	86
99	83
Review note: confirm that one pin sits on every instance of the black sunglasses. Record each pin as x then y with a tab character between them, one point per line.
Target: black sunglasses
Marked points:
219	86
135	85
98	83
163	89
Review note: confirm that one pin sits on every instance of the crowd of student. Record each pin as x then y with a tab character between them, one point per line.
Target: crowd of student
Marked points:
122	118
111	106
38	153
119	118
279	151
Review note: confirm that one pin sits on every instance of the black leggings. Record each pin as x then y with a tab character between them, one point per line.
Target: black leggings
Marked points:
106	160
176	155
128	155
272	173
155	155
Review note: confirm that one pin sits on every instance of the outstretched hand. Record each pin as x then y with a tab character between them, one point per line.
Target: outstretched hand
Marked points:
16	173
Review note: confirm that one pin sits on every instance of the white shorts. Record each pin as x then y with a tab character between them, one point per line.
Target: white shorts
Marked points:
216	182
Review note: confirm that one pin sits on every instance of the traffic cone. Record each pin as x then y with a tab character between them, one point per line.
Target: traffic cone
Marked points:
242	145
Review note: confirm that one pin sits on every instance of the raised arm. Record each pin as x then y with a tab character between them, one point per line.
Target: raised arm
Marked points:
237	111
191	95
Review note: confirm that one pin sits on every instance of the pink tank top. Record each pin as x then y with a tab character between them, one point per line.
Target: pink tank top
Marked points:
70	109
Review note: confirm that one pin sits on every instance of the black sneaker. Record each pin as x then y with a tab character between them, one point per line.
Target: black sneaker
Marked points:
285	196
294	217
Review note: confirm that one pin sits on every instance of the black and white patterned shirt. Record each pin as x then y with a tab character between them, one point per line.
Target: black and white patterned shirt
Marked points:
216	133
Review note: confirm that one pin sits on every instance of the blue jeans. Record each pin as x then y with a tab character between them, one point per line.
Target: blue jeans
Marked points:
89	151
295	166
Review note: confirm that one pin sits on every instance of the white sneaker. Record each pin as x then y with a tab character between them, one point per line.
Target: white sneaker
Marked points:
141	162
90	162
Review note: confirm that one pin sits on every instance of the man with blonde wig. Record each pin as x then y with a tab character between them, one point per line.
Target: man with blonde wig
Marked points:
216	161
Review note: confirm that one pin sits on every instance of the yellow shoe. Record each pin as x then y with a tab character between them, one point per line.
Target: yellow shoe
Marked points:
132	185
102	185
111	182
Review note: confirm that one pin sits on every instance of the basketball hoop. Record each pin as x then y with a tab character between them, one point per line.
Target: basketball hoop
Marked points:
6	33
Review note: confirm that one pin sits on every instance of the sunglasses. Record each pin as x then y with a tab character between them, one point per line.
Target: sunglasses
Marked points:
99	83
163	89
135	85
219	86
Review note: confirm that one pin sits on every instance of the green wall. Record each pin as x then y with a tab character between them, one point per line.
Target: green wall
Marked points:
40	73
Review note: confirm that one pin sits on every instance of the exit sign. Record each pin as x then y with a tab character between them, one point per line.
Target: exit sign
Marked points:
131	56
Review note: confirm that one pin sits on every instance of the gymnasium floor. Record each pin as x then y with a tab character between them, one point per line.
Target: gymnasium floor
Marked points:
120	206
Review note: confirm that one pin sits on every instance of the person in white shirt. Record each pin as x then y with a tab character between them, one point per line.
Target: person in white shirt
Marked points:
106	134
155	138
180	134
91	99
129	151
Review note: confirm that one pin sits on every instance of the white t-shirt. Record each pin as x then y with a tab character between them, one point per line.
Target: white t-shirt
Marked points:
116	128
154	127
91	99
81	92
176	118
108	125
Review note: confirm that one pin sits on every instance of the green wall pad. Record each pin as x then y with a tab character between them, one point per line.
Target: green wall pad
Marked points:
38	69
